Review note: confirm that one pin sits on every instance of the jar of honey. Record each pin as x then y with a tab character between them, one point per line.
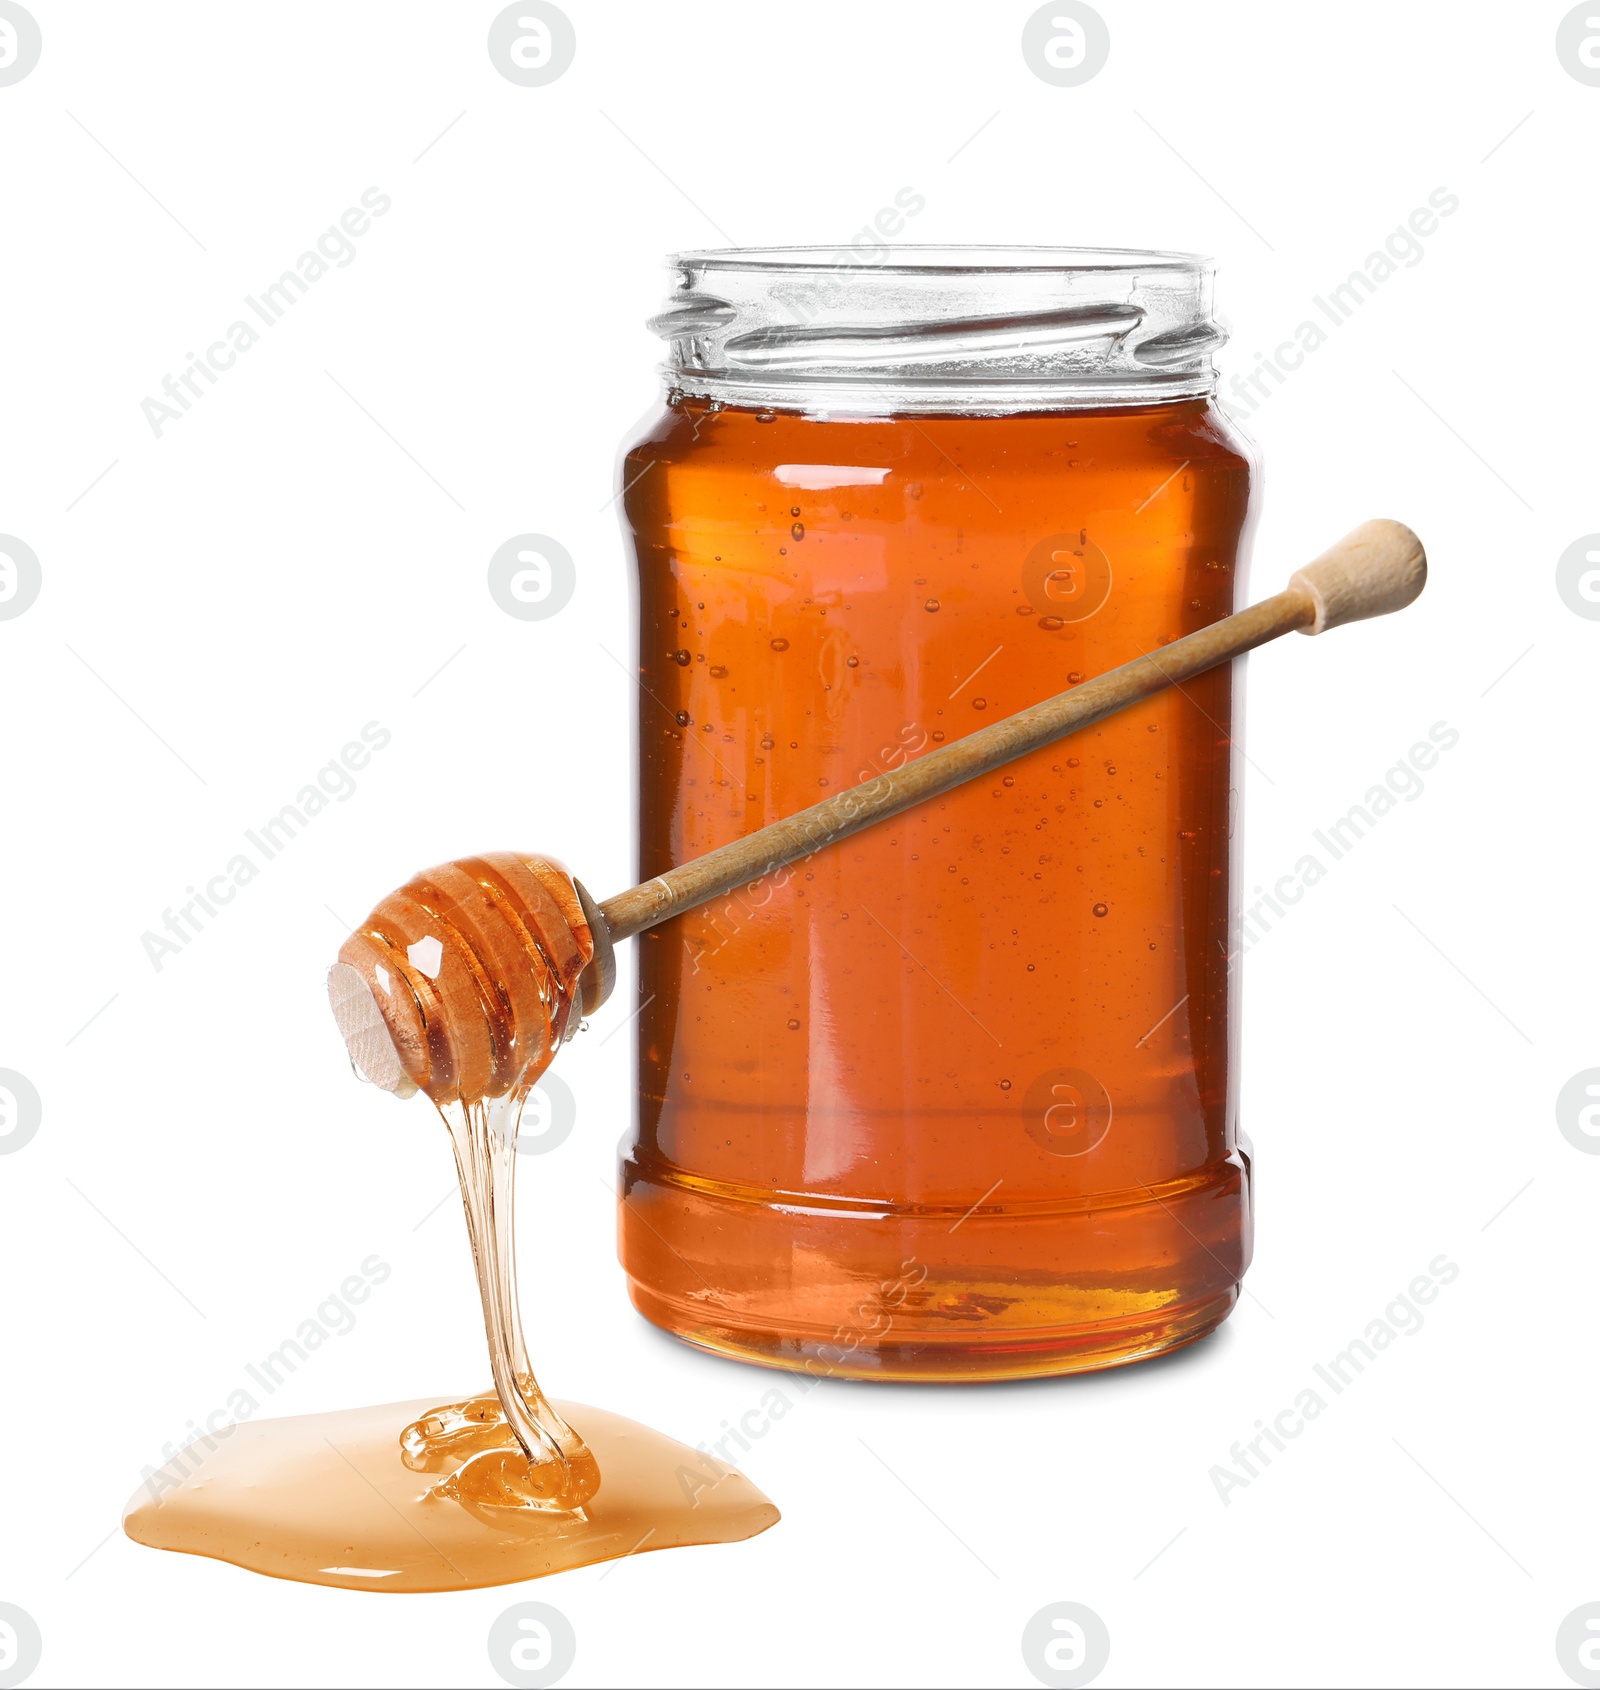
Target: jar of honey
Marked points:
956	1098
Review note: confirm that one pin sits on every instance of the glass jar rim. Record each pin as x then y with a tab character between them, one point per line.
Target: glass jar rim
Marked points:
939	329
947	259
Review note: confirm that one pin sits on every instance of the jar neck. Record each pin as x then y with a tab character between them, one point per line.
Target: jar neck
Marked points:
958	331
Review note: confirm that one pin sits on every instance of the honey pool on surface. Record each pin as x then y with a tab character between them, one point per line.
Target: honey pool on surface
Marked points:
328	1499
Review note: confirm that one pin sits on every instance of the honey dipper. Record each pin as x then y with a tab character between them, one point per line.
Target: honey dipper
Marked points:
463	983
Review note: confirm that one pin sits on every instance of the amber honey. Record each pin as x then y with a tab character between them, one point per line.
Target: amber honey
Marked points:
953	1100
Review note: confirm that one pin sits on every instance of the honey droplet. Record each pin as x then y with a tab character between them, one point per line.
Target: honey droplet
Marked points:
1008	780
798	531
932	604
719	671
1024	610
852	662
980	704
682	659
1005	1085
780	645
683	718
1101	909
767	742
794	510
1074	676
794	1026
1051	623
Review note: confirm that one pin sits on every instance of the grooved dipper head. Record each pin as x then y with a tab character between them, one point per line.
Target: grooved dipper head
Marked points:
464	981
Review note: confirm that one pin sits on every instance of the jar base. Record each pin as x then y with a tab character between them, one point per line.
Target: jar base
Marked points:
949	1294
946	1361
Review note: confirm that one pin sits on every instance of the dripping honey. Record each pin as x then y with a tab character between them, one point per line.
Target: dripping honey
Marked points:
476	963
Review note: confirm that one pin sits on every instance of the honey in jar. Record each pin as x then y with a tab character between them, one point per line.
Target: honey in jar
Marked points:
954	1100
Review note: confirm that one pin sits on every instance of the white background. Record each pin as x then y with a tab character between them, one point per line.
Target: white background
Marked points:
227	605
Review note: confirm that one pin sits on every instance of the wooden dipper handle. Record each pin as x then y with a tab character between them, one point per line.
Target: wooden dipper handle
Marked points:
463	982
1377	568
1374	569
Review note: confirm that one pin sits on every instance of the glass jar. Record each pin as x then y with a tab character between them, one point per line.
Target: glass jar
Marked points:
953	1100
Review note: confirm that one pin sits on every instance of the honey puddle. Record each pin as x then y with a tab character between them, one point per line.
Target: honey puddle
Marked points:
327	1499
500	1487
